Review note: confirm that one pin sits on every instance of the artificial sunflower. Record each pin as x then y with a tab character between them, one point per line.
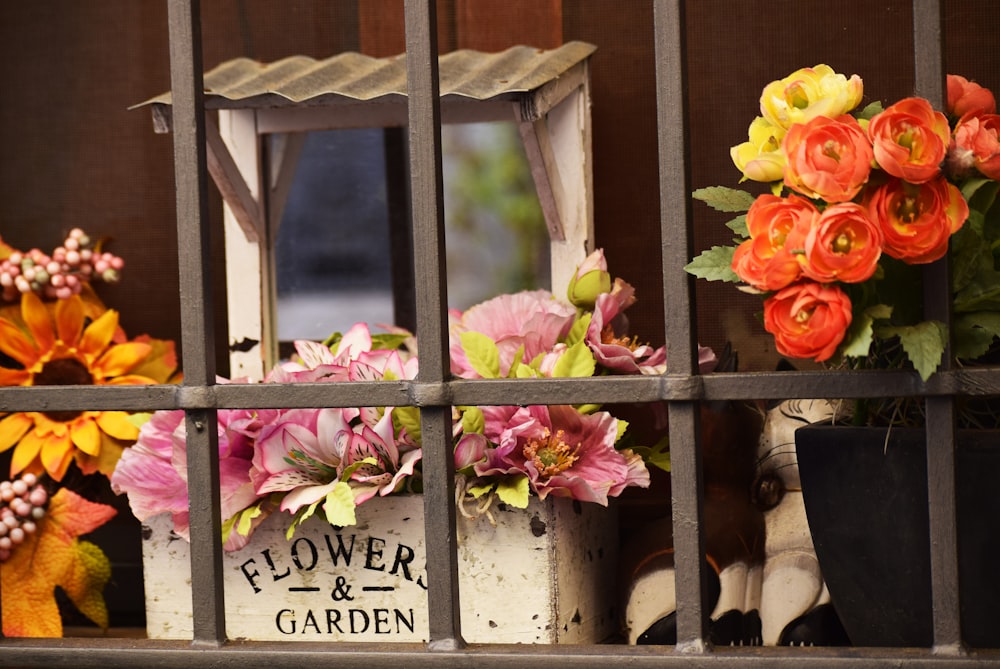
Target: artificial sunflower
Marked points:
63	344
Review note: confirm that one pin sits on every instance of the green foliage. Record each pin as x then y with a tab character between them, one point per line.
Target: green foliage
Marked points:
715	264
576	361
726	199
482	353
924	344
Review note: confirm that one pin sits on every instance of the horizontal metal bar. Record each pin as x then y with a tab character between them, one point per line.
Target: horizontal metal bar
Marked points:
603	389
107	653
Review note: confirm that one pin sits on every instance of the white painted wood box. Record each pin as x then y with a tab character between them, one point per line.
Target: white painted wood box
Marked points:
545	574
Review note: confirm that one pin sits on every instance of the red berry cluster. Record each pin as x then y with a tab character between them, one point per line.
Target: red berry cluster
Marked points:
22	505
61	274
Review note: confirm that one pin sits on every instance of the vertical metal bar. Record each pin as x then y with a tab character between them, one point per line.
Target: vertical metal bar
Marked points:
928	61
190	172
685	454
426	192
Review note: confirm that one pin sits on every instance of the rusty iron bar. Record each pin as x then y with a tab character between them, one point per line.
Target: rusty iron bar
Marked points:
427	206
208	604
687	499
930	83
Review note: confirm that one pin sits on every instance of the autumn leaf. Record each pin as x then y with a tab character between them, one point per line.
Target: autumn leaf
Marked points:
52	557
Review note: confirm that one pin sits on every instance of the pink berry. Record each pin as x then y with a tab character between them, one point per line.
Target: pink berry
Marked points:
29	527
11	522
17	535
38	497
38	513
19	487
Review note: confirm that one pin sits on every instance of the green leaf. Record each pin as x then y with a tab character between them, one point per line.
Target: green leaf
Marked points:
722	198
870	111
473	420
923	343
138	419
388	341
576	361
408	418
513	490
739	226
621	427
303	514
657	455
515	362
715	264
974	333
478	491
339	505
858	340
482	353
527	372
578	331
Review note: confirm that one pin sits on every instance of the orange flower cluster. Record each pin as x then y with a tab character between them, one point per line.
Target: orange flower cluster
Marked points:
858	188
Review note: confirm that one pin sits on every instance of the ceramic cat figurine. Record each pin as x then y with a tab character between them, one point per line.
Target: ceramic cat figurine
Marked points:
765	585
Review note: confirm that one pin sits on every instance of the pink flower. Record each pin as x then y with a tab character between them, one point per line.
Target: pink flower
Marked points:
608	339
534	319
564	453
153	472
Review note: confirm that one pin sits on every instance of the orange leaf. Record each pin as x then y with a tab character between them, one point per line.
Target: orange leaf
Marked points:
55	557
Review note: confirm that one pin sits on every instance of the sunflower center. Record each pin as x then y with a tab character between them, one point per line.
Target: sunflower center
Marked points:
63	372
551	454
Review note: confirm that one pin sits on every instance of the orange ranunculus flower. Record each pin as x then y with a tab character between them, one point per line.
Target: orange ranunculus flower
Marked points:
807	93
910	140
967	98
808	320
844	245
827	158
58	346
917	220
760	158
778	228
977	144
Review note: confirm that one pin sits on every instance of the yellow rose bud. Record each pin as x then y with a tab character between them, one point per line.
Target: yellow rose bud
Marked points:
761	159
810	92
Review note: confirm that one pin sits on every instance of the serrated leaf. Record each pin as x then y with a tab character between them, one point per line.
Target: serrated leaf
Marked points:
339	506
578	331
473	420
722	198
513	490
858	340
657	455
389	341
715	264
482	354
526	372
923	343
515	362
622	427
478	491
739	226
974	333
576	361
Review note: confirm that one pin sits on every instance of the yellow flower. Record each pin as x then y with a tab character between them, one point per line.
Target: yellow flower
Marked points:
761	158
59	347
807	93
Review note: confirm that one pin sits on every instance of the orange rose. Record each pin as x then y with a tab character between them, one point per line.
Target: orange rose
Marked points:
977	144
778	228
827	158
967	98
845	245
808	320
910	140
917	220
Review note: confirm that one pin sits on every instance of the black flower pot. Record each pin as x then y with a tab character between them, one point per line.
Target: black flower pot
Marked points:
866	501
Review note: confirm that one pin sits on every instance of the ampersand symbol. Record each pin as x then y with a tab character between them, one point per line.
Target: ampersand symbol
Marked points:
341	591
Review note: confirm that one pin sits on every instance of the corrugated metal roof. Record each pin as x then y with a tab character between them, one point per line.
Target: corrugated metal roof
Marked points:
300	80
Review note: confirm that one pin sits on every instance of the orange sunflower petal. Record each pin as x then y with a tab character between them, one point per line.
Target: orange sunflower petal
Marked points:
69	320
98	334
131	380
120	358
14	343
86	435
36	317
25	452
117	424
14	377
56	454
12	428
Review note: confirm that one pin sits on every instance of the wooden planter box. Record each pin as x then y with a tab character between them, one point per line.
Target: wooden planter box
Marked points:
545	574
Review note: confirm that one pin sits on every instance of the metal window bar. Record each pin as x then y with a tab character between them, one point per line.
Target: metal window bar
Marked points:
434	393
